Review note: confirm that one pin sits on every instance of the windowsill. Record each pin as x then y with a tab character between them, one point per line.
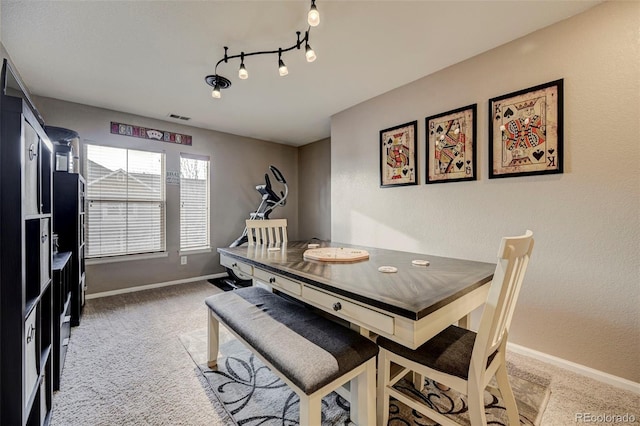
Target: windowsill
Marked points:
188	252
125	258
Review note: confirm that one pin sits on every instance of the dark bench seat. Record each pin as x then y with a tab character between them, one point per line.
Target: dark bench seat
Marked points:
306	350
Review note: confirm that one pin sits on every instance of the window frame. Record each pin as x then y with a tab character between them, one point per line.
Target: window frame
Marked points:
206	248
132	255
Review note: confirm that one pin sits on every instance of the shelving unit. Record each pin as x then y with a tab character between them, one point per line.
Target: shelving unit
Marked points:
61	312
68	223
26	294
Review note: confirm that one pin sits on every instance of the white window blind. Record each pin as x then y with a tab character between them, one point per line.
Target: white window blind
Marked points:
194	202
126	201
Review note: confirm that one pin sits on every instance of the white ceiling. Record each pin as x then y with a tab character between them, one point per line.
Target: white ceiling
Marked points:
151	57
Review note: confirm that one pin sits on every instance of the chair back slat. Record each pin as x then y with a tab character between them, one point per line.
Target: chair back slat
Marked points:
513	259
268	232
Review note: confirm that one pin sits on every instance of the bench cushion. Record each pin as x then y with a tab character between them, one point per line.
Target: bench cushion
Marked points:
308	349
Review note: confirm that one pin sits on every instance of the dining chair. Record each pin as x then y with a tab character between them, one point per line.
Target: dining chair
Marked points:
269	231
460	358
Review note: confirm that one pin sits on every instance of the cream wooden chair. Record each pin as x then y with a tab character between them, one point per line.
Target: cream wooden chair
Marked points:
460	358
269	232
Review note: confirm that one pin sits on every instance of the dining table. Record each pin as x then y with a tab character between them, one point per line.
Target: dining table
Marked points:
406	297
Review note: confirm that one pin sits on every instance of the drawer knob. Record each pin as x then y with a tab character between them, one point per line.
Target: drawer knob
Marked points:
235	265
272	280
337	306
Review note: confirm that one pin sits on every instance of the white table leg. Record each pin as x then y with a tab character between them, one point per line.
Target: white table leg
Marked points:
213	337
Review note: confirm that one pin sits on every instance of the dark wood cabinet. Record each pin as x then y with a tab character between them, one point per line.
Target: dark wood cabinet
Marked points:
26	295
61	312
68	224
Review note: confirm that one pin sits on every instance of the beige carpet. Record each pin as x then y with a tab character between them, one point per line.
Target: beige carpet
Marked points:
253	395
126	366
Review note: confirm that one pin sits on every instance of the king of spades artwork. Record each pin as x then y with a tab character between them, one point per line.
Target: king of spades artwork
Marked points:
527	127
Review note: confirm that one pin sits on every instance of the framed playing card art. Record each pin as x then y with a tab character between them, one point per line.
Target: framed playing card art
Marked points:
526	132
398	166
451	145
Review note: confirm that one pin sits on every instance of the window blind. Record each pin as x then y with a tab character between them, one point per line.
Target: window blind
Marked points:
194	202
126	201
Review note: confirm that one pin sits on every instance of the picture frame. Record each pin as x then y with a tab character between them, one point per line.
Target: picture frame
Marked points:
526	132
451	145
398	158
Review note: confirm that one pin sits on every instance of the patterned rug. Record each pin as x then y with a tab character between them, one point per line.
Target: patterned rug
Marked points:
254	396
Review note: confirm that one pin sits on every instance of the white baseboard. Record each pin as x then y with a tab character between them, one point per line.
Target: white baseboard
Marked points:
150	286
592	373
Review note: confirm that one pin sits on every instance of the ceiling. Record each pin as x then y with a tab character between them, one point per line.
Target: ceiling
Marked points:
150	58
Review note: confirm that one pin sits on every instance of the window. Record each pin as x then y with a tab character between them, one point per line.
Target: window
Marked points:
194	202
126	201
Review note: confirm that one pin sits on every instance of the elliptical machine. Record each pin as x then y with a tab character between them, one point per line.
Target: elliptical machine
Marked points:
270	201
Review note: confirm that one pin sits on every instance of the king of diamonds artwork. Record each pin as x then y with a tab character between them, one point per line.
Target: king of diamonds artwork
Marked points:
451	146
398	155
525	132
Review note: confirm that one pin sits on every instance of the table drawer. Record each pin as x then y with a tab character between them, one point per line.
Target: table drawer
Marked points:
350	311
278	281
236	265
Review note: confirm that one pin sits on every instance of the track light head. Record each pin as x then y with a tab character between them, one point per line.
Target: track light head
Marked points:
218	83
282	68
313	17
309	53
216	92
242	72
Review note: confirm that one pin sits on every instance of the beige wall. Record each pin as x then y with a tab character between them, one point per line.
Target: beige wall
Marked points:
314	194
238	164
581	298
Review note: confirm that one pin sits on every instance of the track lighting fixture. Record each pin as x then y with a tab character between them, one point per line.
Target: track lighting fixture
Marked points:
219	82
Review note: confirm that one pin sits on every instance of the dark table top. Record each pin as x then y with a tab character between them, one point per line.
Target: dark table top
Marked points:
412	292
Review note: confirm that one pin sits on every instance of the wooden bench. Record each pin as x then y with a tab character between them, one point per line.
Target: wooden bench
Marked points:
310	353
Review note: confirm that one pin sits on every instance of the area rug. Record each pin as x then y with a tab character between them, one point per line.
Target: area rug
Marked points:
253	396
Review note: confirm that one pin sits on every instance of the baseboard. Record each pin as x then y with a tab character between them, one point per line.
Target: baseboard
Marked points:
592	373
150	286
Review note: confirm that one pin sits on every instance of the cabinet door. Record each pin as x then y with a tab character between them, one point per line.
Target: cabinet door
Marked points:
30	148
31	354
45	253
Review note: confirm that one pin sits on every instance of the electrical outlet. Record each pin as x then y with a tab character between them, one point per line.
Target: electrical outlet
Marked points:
183	260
